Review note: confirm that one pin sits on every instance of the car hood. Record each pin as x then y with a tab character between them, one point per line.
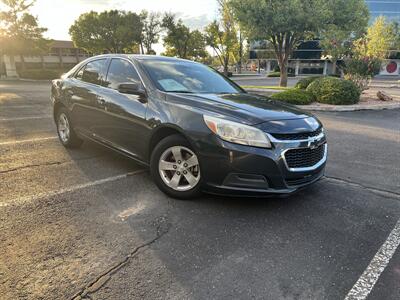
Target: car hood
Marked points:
248	108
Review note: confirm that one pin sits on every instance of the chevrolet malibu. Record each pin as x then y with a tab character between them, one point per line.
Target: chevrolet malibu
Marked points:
195	129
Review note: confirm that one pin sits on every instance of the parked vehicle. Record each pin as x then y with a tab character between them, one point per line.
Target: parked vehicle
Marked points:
195	129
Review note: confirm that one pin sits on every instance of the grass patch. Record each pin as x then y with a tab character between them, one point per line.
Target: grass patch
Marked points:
278	74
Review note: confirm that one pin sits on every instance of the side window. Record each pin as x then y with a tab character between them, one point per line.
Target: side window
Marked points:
94	72
120	71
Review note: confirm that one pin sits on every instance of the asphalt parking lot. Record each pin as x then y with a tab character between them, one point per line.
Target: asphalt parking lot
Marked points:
90	224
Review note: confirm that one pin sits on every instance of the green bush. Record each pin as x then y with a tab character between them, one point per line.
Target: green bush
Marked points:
278	74
274	74
305	82
331	90
294	96
41	74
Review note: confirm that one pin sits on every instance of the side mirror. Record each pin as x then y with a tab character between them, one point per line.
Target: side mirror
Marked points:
134	88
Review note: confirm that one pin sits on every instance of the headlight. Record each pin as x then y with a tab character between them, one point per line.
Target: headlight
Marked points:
237	133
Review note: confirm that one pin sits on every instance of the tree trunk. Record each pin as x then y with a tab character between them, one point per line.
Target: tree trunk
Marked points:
284	77
23	66
226	63
283	45
240	53
334	64
284	73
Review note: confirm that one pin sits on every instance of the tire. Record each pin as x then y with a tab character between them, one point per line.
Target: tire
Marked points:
66	135
165	168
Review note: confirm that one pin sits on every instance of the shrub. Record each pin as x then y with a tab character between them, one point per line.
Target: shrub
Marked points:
274	74
278	74
305	82
331	90
294	96
362	66
41	74
360	70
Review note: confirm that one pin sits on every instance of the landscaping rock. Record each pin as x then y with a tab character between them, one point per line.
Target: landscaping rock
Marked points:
383	96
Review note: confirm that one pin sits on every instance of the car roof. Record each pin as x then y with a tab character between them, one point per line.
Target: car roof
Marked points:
144	57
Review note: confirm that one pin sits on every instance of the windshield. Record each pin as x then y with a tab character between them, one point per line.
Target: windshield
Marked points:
187	77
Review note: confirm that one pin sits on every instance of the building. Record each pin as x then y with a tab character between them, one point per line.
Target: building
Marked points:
390	9
62	55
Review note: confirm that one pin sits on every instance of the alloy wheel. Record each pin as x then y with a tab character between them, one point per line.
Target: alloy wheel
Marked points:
179	168
63	128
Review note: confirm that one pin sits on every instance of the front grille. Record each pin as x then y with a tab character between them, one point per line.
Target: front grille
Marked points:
304	157
297	136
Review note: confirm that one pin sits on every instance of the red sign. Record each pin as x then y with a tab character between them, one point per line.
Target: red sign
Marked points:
391	67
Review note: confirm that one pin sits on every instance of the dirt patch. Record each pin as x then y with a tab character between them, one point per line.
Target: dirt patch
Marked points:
369	97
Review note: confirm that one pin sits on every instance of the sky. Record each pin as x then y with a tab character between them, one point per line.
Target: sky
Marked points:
58	15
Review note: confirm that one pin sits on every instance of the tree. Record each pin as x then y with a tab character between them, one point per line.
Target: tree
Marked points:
285	23
378	41
348	21
111	31
151	30
368	53
222	35
181	42
20	33
240	53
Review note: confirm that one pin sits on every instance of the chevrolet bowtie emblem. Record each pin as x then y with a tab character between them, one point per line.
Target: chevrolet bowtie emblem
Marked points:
314	142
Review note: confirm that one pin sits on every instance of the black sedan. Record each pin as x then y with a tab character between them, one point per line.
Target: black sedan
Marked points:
194	128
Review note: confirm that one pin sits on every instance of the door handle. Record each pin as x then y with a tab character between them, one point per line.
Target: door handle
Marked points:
70	93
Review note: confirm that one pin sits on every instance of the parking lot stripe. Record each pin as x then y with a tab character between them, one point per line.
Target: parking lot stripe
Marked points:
366	282
28	140
29	199
26	118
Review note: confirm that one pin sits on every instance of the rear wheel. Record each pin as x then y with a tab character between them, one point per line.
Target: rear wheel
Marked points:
175	168
65	131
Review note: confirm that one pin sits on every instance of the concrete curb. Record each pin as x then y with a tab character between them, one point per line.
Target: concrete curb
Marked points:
350	107
328	107
392	86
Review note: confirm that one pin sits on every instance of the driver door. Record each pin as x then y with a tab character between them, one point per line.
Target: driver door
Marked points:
125	123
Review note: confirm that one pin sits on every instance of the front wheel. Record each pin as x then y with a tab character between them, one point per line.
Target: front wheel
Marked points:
175	168
65	131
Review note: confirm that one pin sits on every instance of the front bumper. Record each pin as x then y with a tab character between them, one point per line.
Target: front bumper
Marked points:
239	170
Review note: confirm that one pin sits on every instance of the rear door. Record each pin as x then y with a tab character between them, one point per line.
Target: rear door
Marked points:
86	96
125	122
